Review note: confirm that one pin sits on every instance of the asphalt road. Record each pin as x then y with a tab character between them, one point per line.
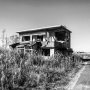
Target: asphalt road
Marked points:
83	82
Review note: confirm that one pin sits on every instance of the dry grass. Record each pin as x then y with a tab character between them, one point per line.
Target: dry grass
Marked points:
34	72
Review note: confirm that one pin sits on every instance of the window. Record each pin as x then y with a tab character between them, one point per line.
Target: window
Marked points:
46	52
26	38
60	36
40	37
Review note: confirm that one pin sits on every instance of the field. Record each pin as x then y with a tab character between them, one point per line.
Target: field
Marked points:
20	71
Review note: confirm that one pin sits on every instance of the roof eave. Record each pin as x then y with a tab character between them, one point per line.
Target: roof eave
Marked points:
43	30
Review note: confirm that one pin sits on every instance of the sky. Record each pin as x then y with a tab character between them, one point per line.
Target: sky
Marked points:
19	15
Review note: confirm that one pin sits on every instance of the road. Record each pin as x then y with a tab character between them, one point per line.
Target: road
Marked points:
83	82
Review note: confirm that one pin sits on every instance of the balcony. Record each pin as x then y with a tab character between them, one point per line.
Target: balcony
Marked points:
61	44
48	44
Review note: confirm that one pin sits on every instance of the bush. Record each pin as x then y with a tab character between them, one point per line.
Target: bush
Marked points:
32	71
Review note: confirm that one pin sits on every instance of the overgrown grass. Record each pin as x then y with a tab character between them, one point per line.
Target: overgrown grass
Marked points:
25	71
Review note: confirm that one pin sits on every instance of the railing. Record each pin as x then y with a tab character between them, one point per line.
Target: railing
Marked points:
61	44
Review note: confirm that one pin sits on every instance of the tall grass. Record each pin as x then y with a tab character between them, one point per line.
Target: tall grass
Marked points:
25	71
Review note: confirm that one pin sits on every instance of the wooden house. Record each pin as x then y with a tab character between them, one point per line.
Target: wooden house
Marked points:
45	41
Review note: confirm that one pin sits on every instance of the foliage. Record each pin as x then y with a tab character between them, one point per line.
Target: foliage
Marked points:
14	39
23	71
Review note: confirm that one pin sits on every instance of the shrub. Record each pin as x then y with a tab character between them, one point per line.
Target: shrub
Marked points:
32	71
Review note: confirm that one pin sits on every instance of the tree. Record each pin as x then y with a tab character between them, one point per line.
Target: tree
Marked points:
14	39
3	37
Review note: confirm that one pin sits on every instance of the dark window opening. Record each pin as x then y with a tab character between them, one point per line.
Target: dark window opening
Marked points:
40	37
60	36
26	38
46	52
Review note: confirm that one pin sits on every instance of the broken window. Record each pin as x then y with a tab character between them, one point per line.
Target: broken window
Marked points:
40	37
60	36
46	52
26	38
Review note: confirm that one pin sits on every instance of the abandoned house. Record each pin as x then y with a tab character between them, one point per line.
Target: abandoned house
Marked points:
45	41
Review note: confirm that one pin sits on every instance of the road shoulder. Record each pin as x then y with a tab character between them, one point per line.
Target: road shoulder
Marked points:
75	79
